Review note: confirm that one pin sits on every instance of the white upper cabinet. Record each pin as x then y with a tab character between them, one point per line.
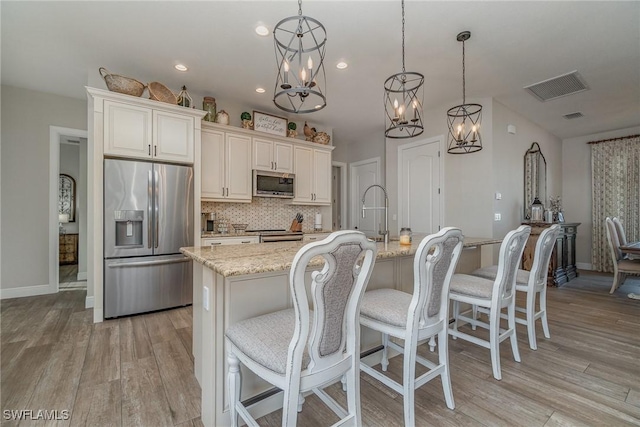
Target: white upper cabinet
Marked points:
135	131
313	176
127	130
226	166
213	170
172	137
271	155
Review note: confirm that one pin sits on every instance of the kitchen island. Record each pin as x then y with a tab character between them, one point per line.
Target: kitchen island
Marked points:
233	283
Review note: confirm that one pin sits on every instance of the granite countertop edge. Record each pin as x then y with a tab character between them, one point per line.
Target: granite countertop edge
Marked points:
240	260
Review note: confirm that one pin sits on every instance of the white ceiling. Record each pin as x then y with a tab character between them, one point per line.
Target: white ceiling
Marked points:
54	46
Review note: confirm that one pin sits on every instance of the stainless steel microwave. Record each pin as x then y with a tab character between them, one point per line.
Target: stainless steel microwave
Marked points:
273	184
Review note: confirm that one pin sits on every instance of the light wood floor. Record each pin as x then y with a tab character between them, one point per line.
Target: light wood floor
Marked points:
138	370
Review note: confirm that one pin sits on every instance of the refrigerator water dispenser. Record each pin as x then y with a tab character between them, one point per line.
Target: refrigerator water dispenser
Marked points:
129	228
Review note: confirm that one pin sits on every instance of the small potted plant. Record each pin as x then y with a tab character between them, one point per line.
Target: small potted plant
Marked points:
247	123
291	130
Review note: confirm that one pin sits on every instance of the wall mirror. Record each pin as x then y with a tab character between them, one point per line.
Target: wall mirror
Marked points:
535	178
67	196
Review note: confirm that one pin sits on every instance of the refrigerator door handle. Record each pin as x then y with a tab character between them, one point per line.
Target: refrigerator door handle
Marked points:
149	263
149	215
157	208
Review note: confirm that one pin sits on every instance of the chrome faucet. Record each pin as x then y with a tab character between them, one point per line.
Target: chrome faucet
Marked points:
385	208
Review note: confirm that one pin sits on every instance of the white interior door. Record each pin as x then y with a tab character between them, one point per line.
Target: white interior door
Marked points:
418	185
362	175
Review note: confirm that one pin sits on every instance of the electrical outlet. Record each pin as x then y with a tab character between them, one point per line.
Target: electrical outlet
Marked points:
205	298
498	196
497	217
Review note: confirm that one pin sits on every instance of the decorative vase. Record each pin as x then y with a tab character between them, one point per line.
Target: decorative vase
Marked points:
222	117
247	124
209	105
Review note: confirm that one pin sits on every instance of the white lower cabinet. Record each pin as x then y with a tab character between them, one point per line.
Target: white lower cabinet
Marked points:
312	168
219	241
314	237
226	167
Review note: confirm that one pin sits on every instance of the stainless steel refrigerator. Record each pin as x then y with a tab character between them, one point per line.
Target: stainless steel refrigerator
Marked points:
148	216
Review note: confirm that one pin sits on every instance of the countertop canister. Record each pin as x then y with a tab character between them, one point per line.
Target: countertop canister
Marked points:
209	105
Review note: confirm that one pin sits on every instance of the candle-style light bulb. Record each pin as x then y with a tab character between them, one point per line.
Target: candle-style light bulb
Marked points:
474	133
310	66
395	108
286	71
459	133
303	77
415	109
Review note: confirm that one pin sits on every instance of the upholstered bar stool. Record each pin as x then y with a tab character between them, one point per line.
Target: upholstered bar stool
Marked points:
416	317
533	283
300	350
494	295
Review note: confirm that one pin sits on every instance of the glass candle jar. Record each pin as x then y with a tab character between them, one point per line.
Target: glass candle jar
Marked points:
537	210
405	236
209	105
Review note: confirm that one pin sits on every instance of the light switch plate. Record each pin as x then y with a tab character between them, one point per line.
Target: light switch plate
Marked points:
205	298
498	196
497	217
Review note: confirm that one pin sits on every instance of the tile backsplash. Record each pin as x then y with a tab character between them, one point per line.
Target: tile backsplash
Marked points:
263	213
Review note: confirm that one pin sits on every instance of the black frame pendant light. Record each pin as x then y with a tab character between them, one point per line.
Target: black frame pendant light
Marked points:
300	43
464	120
403	99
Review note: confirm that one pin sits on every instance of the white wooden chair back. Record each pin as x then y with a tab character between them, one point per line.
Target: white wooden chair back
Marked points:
434	264
542	257
510	256
332	336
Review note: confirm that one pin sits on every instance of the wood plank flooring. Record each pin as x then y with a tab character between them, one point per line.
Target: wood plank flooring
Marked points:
138	371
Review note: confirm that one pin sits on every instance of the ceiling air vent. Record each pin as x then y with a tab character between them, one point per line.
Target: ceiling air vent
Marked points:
575	115
556	87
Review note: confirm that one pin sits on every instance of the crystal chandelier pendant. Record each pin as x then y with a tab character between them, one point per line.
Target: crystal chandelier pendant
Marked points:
300	43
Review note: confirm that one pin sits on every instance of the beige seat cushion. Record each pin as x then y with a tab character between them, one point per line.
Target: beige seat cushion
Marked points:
522	277
265	339
473	286
388	306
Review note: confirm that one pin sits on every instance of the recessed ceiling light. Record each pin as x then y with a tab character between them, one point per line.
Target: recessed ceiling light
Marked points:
341	65
261	30
181	67
260	90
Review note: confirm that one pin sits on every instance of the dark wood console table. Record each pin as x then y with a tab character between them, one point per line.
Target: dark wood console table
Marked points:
562	266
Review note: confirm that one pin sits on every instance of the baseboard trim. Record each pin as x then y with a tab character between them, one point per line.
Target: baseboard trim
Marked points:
88	302
82	275
584	266
26	291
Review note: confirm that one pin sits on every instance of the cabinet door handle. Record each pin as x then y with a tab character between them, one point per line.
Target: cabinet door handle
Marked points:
155	151
275	166
271	165
149	149
215	243
246	241
222	191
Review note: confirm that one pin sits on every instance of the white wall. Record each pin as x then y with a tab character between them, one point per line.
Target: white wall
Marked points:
26	117
70	165
576	187
508	162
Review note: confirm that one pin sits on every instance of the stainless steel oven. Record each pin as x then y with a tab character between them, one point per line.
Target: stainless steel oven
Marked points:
274	236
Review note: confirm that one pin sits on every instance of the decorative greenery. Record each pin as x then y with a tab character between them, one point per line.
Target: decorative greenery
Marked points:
245	116
292	126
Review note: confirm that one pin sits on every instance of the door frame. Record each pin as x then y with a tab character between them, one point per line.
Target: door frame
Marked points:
440	140
55	134
353	191
343	193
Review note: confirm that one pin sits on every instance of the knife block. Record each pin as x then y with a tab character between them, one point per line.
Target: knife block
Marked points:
296	226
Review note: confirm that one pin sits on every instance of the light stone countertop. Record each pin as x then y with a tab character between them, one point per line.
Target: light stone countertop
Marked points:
238	260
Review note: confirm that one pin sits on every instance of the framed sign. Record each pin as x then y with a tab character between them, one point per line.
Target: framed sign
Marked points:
269	124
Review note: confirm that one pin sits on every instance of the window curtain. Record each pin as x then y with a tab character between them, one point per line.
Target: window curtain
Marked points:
615	167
